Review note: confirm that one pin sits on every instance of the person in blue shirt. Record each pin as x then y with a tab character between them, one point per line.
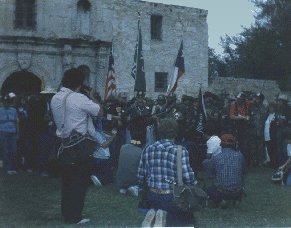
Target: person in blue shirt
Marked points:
8	133
227	169
101	170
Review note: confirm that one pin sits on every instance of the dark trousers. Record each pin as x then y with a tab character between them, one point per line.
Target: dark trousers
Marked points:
175	216
74	186
244	143
102	169
44	146
217	195
271	147
116	145
75	180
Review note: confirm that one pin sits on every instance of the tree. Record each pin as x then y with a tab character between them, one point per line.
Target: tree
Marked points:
262	51
216	66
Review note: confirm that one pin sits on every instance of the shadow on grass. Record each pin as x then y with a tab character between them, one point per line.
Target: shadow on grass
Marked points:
29	200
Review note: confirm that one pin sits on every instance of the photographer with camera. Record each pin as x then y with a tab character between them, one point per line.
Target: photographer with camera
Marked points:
72	111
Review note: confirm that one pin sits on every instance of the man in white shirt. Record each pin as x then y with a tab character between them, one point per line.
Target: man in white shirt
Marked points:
72	112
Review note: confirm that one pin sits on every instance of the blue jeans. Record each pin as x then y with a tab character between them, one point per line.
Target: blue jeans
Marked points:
217	195
8	144
175	217
214	195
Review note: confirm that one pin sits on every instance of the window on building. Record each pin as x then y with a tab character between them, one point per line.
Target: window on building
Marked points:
83	11
85	5
156	27
25	14
161	82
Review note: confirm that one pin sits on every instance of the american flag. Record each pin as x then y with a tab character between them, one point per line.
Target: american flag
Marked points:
178	72
110	87
201	115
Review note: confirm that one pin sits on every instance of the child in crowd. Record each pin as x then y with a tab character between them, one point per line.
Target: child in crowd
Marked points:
101	171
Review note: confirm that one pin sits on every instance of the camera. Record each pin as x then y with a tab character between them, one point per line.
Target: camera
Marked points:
86	90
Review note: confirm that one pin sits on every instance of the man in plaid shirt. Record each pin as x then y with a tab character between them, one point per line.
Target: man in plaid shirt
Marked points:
227	169
158	169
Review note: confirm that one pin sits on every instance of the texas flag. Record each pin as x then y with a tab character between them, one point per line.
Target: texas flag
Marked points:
178	72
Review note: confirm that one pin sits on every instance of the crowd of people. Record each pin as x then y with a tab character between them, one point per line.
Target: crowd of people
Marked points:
135	142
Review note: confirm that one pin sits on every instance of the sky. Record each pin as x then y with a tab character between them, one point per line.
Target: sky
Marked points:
224	16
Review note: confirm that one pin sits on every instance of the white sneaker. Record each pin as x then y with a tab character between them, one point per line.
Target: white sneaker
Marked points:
122	191
149	218
44	174
133	190
95	180
161	218
12	172
82	221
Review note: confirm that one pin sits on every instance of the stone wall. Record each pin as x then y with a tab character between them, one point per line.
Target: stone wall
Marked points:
233	86
57	43
178	23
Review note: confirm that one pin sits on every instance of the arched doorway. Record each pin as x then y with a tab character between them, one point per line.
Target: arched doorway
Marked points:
21	83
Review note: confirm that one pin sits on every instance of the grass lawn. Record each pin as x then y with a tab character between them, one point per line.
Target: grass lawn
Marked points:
28	200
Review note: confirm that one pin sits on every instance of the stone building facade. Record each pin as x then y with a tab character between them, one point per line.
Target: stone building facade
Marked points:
40	39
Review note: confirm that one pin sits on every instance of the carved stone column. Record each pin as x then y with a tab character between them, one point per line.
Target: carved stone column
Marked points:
24	60
68	61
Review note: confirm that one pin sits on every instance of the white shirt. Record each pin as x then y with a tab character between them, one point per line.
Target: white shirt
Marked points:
78	109
289	150
100	152
267	126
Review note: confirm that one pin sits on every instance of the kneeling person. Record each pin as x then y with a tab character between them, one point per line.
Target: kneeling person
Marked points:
227	169
158	166
126	176
101	171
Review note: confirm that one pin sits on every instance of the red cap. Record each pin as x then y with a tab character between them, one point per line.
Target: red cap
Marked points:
228	139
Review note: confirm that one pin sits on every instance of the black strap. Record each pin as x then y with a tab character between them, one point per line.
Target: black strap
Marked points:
64	117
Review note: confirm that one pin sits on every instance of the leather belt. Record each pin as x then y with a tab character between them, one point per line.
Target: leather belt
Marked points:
73	138
160	191
230	191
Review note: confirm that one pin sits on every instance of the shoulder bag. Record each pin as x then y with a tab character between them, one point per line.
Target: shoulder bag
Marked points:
187	198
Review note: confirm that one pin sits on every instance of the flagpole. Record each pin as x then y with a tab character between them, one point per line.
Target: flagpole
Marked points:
138	37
